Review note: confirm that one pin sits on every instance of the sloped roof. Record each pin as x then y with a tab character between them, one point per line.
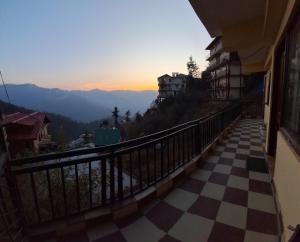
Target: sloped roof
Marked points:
165	75
21	126
214	41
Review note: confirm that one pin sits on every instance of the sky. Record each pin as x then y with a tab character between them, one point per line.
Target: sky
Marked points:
105	44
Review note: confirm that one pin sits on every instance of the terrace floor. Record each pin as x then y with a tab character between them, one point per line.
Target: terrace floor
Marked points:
220	201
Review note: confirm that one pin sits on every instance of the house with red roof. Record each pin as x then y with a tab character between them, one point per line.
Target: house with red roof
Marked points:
25	133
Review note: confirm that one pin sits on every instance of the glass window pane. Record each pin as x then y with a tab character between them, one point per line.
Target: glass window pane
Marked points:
292	89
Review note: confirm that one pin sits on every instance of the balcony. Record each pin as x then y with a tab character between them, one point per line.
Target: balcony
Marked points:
156	184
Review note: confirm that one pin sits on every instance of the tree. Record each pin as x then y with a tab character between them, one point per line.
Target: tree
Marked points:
138	117
193	68
127	116
115	115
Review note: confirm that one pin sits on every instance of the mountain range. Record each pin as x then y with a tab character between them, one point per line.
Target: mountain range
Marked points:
83	106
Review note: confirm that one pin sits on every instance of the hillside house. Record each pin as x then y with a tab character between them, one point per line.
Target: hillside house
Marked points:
26	132
171	86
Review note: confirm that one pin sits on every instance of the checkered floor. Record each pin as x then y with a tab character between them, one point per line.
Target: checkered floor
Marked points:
220	201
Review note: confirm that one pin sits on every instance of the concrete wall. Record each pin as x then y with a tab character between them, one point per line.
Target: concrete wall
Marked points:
235	69
287	182
235	81
287	162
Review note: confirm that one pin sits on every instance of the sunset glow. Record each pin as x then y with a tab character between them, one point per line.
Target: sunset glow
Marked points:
108	87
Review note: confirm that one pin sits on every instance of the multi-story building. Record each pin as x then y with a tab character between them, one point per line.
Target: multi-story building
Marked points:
225	70
171	85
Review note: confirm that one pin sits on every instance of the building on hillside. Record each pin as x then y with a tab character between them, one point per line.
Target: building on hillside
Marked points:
26	133
226	80
171	86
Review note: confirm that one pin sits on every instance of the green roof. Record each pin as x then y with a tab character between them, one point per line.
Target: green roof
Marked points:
106	136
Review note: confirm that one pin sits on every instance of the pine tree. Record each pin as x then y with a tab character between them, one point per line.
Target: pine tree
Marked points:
115	115
193	68
138	117
127	116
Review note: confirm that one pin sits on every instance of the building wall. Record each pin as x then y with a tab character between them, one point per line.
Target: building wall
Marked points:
235	69
235	81
287	180
216	48
171	86
287	163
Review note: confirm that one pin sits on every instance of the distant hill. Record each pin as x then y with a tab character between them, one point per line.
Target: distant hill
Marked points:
83	106
72	129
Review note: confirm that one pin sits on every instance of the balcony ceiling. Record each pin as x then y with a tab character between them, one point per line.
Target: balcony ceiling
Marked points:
246	26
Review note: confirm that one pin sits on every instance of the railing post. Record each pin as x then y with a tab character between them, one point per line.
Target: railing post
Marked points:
112	176
162	158
120	178
199	143
103	181
140	170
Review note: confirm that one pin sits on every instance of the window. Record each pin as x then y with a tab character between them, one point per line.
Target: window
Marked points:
291	99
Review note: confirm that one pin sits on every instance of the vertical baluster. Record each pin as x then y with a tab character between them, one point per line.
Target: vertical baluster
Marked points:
130	173
173	149
90	184
168	155
120	178
183	146
112	177
148	166
140	170
192	141
215	127
195	140
154	162
64	189
35	197
50	193
178	149
103	181
210	131
77	188
197	134
205	134
201	139
188	143
162	159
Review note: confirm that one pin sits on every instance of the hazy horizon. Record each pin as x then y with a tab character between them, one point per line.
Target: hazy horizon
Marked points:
74	89
93	44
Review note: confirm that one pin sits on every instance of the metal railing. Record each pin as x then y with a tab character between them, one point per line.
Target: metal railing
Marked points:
253	105
56	185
